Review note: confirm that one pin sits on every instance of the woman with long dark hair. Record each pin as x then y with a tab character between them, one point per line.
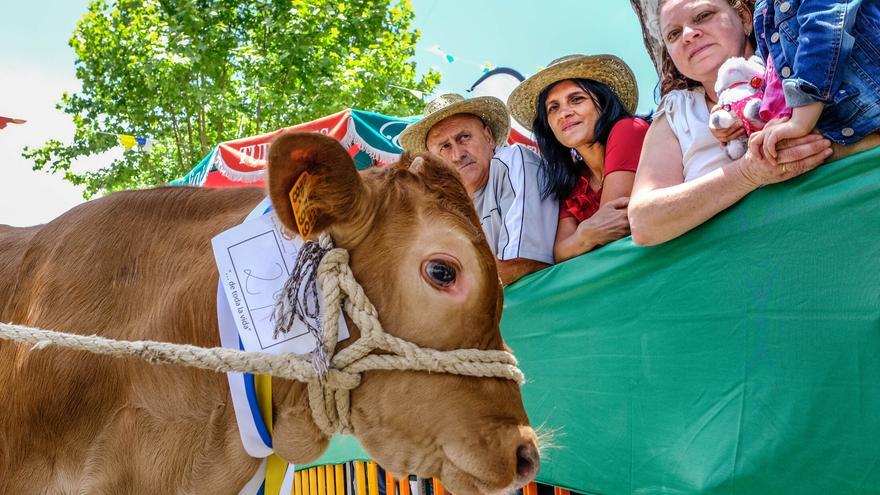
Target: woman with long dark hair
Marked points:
580	109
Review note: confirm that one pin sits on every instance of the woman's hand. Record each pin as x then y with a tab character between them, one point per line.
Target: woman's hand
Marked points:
726	135
794	157
608	224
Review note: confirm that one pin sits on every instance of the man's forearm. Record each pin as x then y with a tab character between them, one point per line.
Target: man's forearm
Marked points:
509	271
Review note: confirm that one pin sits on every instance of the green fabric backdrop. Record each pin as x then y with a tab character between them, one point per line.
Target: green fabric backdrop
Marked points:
741	358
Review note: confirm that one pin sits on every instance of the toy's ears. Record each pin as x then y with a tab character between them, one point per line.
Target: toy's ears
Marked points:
313	182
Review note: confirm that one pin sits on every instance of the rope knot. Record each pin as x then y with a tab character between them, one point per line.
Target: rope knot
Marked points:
341	380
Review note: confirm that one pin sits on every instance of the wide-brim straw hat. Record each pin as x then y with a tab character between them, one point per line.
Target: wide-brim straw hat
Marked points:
606	69
488	108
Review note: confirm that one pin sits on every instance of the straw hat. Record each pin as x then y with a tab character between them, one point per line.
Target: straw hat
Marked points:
606	69
490	109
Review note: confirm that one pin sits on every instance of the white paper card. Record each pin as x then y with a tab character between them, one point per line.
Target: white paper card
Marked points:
254	261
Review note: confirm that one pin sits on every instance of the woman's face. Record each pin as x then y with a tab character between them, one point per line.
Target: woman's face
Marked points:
571	113
700	35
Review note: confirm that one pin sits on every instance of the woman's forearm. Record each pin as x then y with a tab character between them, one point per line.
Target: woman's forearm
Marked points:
575	244
662	214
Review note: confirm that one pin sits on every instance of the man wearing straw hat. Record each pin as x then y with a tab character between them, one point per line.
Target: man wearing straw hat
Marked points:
504	181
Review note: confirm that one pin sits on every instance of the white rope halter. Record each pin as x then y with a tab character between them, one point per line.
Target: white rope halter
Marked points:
329	383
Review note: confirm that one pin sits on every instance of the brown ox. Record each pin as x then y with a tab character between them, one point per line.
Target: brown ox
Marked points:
138	265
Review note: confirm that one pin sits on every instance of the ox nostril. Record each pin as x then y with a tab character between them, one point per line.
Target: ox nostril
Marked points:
527	463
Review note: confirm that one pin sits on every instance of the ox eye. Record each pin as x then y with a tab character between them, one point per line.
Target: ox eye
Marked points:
440	273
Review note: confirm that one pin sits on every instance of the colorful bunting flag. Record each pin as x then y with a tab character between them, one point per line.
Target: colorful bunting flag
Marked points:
146	144
8	120
418	94
130	142
440	53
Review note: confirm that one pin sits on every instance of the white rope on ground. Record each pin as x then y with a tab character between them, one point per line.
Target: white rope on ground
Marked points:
329	392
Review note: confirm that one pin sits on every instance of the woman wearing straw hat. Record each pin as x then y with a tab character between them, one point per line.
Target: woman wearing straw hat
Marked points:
582	107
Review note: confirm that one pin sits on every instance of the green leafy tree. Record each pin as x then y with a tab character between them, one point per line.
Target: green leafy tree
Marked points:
191	73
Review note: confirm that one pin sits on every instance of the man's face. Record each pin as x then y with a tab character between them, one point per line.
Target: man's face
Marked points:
466	142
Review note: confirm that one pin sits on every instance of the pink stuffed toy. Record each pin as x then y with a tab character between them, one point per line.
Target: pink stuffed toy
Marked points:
740	88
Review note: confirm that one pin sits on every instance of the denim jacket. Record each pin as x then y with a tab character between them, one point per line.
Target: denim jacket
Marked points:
826	51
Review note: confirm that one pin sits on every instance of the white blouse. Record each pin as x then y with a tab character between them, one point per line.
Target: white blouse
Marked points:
688	115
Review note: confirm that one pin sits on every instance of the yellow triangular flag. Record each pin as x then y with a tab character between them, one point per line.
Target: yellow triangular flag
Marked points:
128	141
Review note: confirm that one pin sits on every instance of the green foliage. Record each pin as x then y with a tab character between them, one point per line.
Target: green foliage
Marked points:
191	73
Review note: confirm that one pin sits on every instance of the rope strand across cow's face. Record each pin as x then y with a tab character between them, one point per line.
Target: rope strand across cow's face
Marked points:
407	232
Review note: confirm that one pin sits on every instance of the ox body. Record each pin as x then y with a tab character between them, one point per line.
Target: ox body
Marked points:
138	266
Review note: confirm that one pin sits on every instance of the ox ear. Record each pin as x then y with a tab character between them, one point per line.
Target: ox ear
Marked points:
437	171
313	182
443	178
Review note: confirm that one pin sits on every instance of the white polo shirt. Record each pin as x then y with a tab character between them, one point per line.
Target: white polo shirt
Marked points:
517	222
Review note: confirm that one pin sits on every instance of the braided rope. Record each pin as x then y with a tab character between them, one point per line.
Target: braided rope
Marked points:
299	301
328	388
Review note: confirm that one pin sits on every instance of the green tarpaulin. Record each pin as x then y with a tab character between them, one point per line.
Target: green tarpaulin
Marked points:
741	358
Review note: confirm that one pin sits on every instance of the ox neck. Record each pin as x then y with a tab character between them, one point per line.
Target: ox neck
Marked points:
292	418
295	435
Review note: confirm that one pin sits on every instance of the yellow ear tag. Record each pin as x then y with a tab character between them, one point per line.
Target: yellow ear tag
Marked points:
303	214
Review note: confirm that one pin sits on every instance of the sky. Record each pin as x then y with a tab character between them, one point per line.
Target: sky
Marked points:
37	66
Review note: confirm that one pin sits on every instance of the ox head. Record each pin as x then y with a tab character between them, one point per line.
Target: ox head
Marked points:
417	249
